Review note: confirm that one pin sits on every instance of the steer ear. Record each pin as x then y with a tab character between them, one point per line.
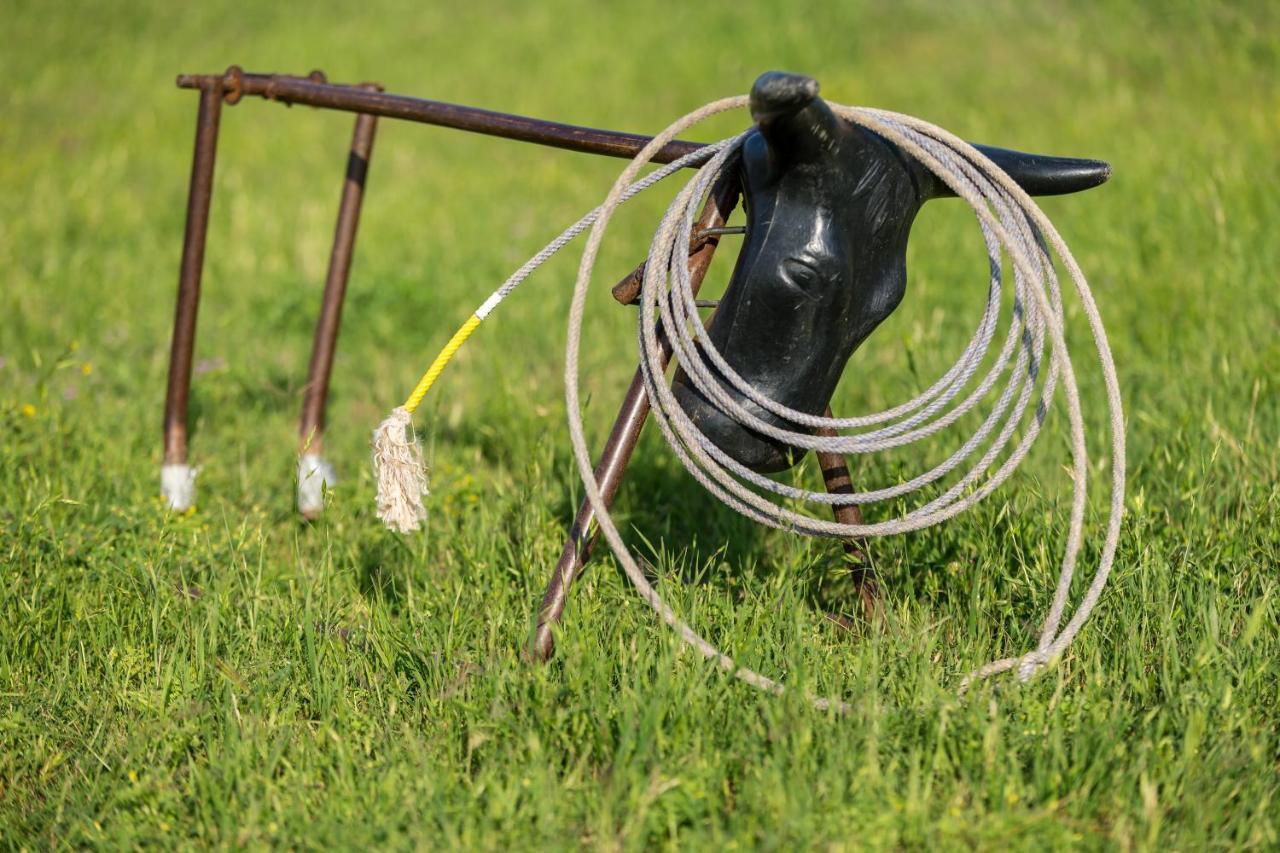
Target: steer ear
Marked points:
1038	174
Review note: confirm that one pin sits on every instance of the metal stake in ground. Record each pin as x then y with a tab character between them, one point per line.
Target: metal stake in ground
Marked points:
623	435
177	478
314	472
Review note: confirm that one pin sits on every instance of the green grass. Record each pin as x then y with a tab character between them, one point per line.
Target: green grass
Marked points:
236	678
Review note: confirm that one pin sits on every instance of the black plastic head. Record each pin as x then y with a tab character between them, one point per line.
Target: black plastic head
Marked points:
829	210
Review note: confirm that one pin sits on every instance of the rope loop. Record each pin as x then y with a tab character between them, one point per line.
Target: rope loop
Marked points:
1011	225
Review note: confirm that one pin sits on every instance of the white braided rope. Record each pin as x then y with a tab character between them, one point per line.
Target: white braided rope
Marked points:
566	236
1010	222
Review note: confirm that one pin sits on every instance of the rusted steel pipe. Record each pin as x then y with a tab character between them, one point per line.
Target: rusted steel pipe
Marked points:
627	291
315	92
835	476
190	270
622	439
311	426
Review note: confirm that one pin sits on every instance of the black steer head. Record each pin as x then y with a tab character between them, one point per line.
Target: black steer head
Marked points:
829	209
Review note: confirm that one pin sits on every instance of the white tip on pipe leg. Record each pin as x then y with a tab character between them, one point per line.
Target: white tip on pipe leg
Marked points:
314	476
178	486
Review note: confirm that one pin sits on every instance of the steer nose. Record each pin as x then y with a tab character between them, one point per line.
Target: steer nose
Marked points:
758	452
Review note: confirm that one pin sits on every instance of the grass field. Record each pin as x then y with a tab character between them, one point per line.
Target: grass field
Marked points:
237	678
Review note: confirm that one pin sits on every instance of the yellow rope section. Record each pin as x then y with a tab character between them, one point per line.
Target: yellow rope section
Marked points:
437	367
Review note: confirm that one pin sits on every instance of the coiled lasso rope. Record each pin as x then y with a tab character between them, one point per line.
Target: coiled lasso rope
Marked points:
1009	220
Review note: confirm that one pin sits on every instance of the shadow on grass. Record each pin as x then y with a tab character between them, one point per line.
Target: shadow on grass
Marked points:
679	530
383	568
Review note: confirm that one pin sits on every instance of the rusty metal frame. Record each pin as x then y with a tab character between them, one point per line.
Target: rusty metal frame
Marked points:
369	102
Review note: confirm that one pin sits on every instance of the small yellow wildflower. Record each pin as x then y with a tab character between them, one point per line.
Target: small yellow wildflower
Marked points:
133	776
87	368
28	410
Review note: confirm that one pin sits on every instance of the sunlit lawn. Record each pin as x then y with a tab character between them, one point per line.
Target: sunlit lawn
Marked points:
237	678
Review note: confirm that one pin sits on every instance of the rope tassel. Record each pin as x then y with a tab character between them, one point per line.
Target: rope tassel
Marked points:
400	472
397	459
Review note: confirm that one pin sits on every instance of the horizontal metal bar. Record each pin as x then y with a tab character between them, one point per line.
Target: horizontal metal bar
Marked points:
720	232
315	92
697	303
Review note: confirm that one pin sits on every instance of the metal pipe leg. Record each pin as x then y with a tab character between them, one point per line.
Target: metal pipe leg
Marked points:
622	438
177	478
314	473
835	476
582	535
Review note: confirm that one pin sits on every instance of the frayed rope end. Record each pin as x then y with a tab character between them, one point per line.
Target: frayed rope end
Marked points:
400	473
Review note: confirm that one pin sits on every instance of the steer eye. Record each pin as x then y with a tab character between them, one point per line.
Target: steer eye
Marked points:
800	273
